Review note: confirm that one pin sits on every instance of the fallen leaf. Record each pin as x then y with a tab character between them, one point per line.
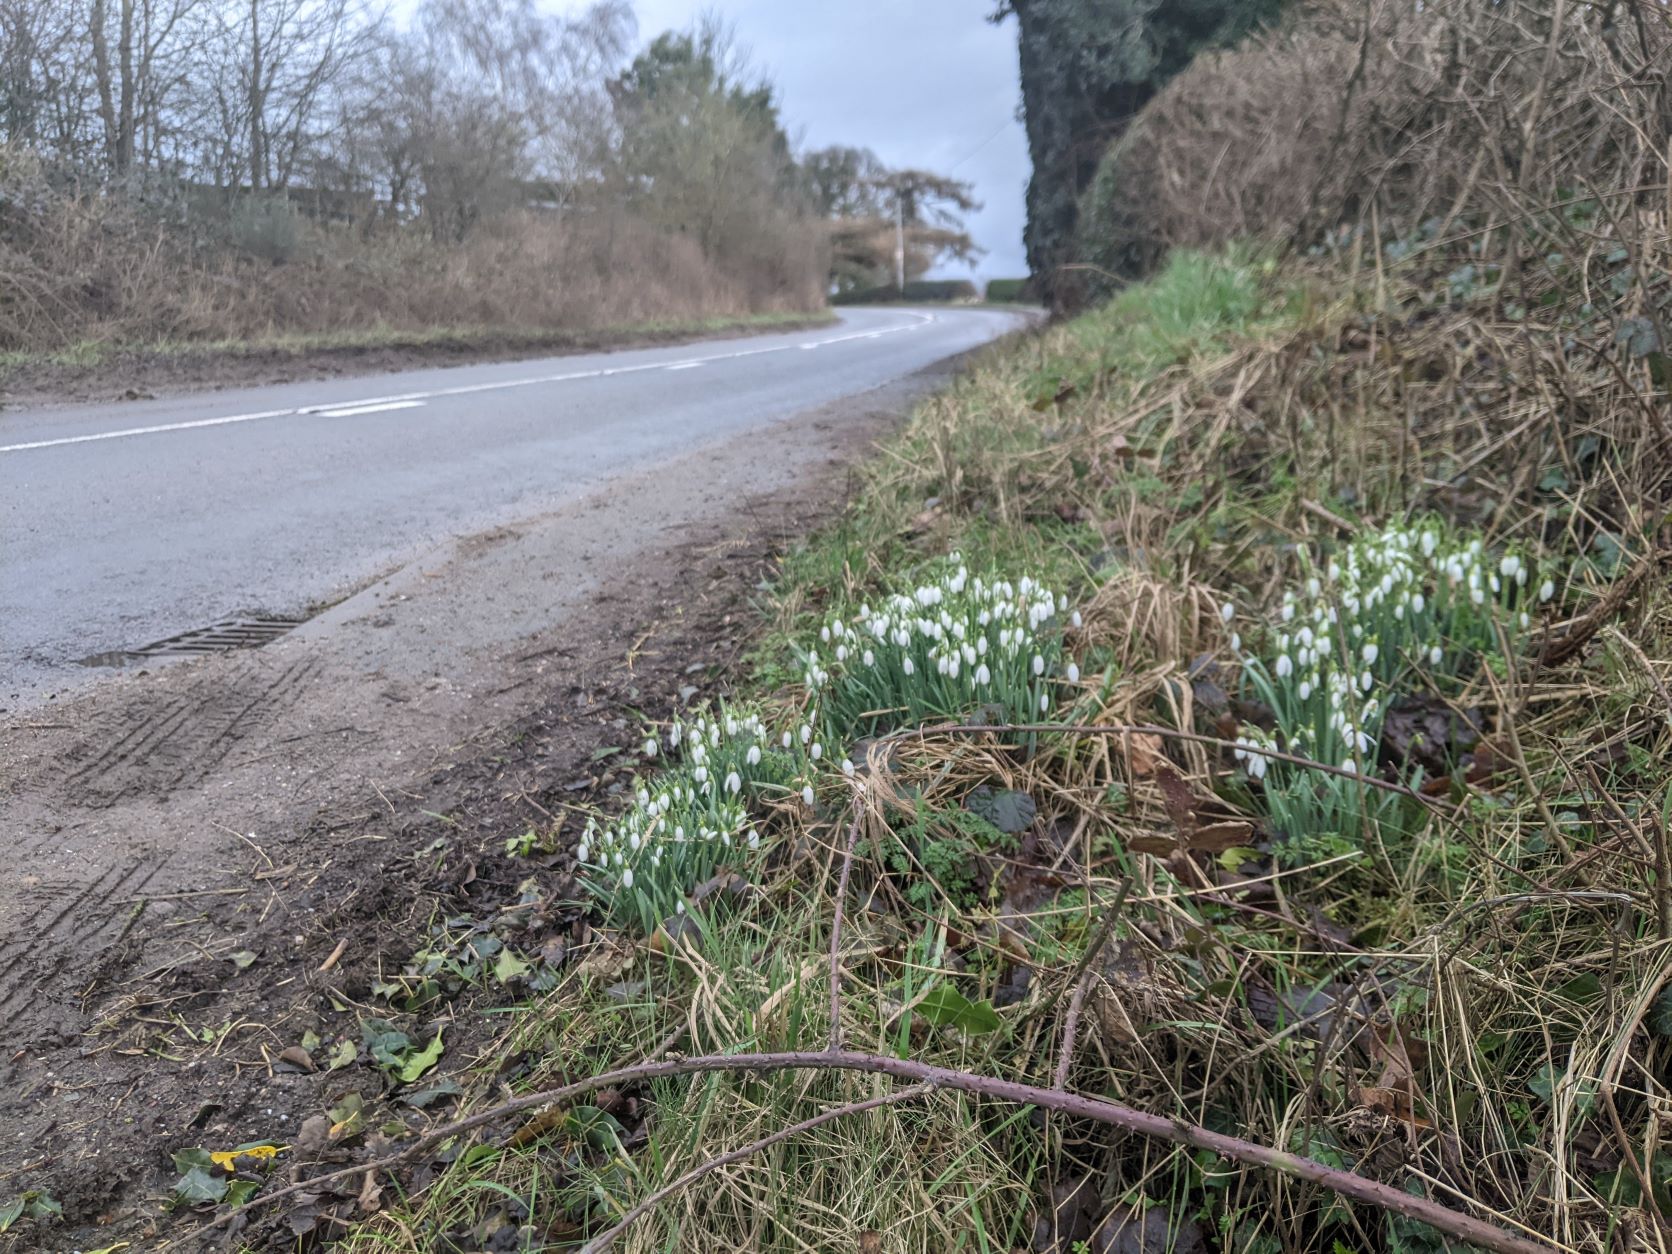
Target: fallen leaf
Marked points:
418	1063
259	1151
297	1057
1143	754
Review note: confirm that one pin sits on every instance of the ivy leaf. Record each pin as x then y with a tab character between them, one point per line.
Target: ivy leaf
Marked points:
238	1191
945	1006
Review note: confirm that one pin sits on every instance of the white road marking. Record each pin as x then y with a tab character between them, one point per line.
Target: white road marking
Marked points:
379	408
409	399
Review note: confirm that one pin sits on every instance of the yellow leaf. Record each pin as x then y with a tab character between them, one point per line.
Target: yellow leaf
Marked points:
225	1159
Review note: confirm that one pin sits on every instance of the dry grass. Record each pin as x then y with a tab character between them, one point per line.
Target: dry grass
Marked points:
84	268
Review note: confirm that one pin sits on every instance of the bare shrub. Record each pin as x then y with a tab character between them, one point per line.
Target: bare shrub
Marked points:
1384	115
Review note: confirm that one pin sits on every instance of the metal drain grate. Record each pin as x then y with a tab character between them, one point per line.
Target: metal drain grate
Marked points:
222	637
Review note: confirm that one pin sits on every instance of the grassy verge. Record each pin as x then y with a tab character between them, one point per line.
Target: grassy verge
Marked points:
1243	503
447	341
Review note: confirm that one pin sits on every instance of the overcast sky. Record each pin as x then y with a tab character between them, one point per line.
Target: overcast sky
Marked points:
928	83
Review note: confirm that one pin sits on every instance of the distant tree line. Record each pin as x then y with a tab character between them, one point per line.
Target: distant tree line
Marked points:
224	108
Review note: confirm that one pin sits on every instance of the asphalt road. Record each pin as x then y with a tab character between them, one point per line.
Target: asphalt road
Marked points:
124	524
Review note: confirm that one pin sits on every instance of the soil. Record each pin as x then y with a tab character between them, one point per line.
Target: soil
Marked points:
221	862
143	373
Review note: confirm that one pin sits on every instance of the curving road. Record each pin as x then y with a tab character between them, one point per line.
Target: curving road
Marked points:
125	524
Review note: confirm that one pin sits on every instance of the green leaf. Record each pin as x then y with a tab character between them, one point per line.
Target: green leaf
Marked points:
509	967
598	1128
244	959
426	1097
343	1054
1582	989
420	1062
945	1006
197	1186
11	1211
239	1191
348	1117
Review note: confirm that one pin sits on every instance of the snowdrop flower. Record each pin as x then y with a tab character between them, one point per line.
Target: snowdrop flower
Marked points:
679	906
753	757
1418	603
824	634
1075	621
1349	765
627	878
1429	542
807	794
754	839
983	676
1370	652
1227	612
1044	702
644	798
1285	667
1305	690
1509	565
1546	590
1236	642
1038	664
650	748
1366	681
1288	611
1476	595
817	751
1073	673
841	653
906	665
806	733
870	658
634	842
1313	587
583	852
787	738
847	767
1526	620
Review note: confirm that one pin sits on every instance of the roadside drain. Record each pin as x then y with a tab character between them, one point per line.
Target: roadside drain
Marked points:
221	637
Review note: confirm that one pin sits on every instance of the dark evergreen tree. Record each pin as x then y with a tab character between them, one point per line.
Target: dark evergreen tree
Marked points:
1088	66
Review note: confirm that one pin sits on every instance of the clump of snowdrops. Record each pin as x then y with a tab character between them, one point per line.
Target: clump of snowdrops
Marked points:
1410	603
694	817
956	644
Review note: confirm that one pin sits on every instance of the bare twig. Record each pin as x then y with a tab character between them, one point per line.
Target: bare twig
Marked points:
603	1240
1348	1184
836	928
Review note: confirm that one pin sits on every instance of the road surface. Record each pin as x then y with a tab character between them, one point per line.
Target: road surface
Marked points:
124	524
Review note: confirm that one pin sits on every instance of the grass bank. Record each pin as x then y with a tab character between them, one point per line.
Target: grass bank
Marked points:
1307	645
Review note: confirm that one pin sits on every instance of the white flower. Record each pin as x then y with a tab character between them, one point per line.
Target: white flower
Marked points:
679	906
1350	766
1429	541
1526	620
734	783
807	794
1288	611
1509	566
817	751
841	653
1236	643
1313	587
1418	603
1073	673
1366	681
650	748
906	665
847	767
1285	667
824	634
583	852
1305	690
1370	652
983	676
1044	702
1075	620
870	658
753	757
1227	612
1038	664
1546	590
806	733
627	878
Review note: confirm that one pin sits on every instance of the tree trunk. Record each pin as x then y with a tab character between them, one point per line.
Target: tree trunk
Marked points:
258	160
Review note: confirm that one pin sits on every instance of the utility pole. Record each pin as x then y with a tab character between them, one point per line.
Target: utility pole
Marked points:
899	241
